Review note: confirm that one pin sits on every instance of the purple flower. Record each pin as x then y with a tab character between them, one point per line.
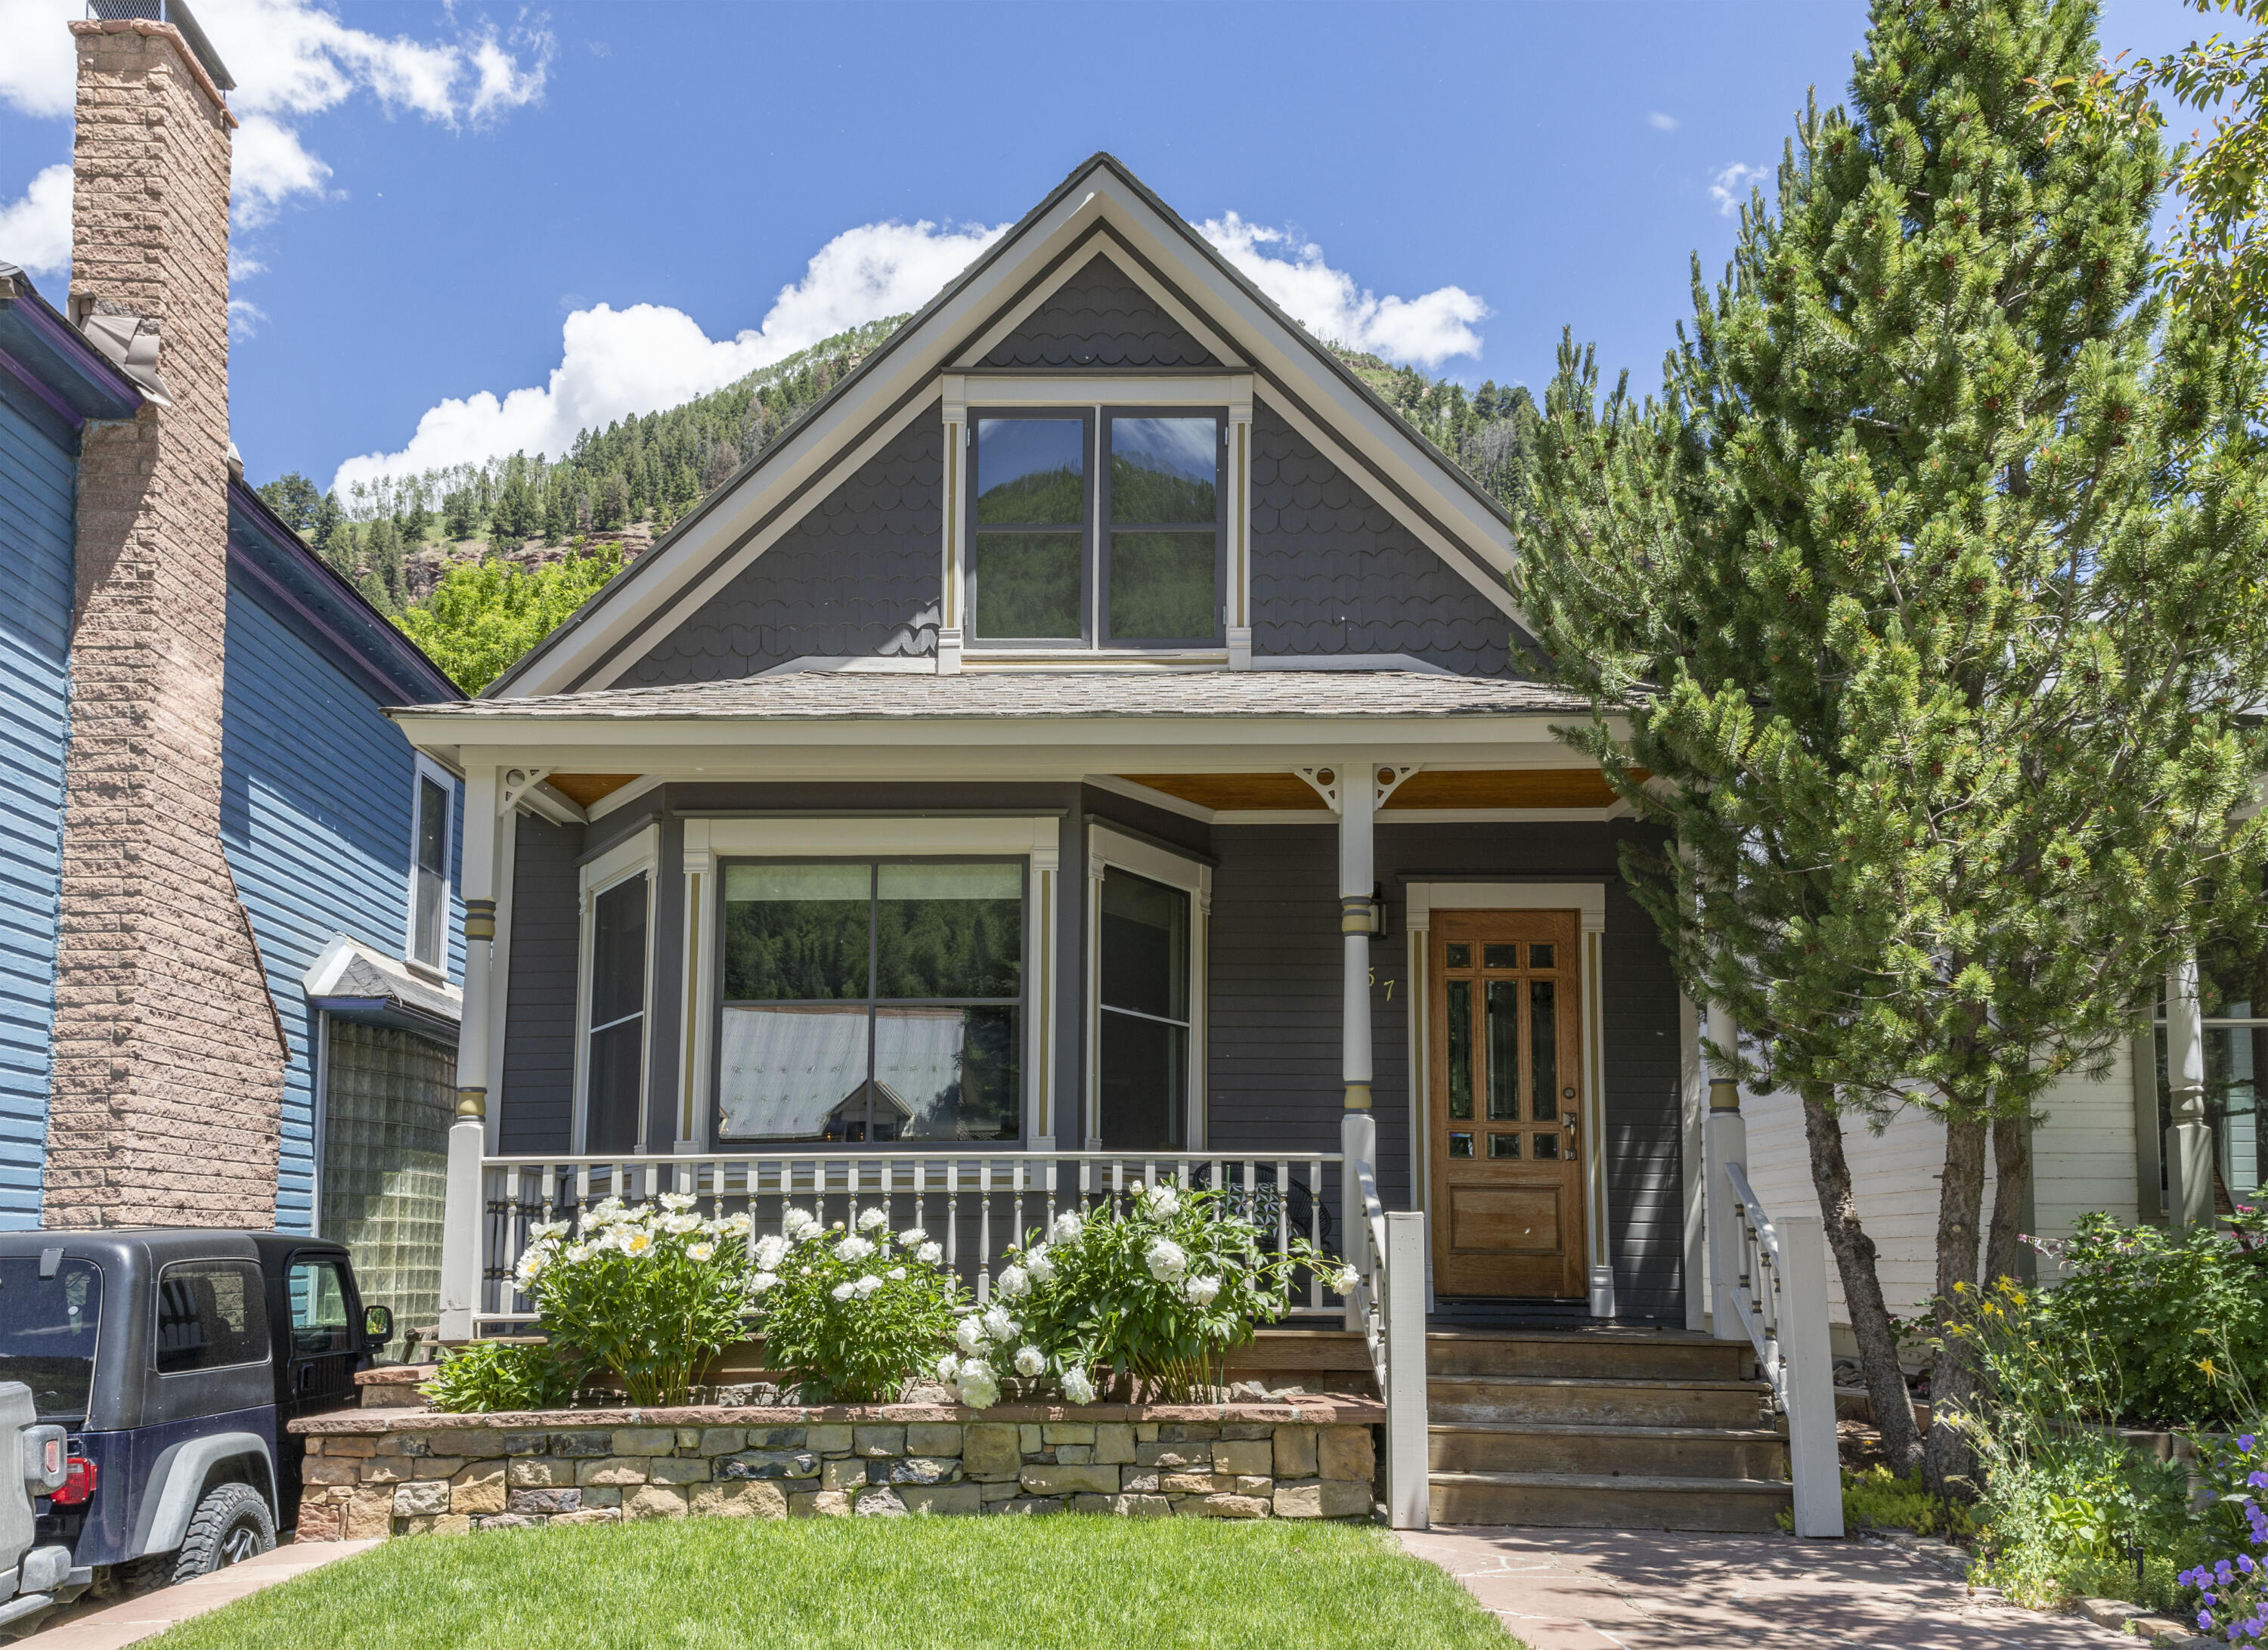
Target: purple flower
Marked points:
2258	1480
2205	1621
2244	1562
2246	1441
2224	1569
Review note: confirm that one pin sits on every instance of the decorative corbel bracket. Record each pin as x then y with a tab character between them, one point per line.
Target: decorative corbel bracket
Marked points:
1325	783
1389	780
515	783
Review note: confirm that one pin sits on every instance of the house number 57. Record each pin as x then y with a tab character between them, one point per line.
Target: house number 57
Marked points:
1389	985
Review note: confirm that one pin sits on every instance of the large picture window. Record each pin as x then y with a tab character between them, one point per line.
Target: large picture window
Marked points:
872	1001
1097	529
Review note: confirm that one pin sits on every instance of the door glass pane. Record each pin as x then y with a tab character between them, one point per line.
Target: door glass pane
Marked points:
944	1074
1031	471
618	951
1547	1145
1503	1051
796	932
611	1122
210	1315
1027	587
1461	1048
48	1327
1144	1082
1145	946
1460	1146
1162	587
1503	1145
793	1072
1539	957
1499	956
1461	956
1543	1041
948	930
1163	469
318	1309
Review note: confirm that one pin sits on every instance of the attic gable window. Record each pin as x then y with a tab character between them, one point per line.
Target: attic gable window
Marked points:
1099	528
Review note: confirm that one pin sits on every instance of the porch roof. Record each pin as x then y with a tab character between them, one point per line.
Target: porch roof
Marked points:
1005	694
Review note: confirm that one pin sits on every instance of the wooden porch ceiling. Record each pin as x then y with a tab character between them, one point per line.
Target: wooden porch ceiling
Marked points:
583	789
1532	787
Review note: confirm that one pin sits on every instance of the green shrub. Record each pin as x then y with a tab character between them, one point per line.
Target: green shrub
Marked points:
491	1376
646	1293
1875	1499
847	1316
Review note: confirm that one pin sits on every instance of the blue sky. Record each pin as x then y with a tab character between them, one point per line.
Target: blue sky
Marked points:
430	196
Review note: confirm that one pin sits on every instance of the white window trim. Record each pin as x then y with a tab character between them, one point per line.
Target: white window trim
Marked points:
1036	839
1105	848
638	855
1588	900
425	768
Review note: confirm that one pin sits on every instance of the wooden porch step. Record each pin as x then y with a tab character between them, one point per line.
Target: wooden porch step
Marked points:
1626	1354
1594	1400
1747	1453
1574	1500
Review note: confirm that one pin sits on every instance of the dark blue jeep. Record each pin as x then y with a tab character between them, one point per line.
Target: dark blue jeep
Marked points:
175	1359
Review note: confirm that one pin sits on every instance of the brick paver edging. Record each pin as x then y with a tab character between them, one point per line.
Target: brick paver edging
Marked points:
392	1473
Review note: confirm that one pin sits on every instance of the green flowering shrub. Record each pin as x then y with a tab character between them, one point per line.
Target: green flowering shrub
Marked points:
1152	1296
647	1292
850	1316
491	1376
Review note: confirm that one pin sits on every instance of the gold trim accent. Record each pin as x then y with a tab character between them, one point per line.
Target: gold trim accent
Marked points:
472	1102
1724	1094
1358	1097
480	920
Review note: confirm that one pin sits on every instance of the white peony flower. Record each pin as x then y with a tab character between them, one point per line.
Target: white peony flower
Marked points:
678	1202
978	1388
796	1222
867	1285
1013	1281
997	1324
930	1254
1344	1281
948	1367
1067	1226
844	1290
1040	1263
1166	1260
700	1251
1030	1360
762	1281
770	1251
679	1225
732	1225
852	1250
1202	1290
635	1242
898	1272
1077	1387
1160	1202
969	1334
912	1237
874	1218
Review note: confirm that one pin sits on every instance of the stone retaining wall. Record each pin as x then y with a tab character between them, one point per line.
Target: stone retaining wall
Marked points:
405	1474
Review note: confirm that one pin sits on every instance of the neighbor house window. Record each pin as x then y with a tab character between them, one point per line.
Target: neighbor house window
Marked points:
2233	984
872	1001
1101	529
429	871
614	1059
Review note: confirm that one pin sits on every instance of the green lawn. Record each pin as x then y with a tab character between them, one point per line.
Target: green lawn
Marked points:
868	1584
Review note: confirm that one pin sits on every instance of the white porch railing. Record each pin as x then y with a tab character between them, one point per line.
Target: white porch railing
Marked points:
1779	1296
976	1204
1388	1304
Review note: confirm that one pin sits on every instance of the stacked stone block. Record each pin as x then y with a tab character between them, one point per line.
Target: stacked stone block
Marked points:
407	1474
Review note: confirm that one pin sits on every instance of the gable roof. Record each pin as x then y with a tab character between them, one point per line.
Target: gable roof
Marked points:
1101	207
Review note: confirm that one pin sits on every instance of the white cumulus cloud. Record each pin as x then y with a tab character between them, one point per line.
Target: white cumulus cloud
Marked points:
1730	189
291	60
35	231
1428	330
1661	122
619	363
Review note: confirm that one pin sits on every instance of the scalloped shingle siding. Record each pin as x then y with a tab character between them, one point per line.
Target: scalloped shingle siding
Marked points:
856	576
1333	572
1099	317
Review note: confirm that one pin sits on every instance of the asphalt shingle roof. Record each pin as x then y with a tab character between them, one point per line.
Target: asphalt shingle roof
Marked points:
811	696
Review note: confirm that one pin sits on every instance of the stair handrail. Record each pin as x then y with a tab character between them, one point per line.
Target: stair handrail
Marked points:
1780	1297
1386	1252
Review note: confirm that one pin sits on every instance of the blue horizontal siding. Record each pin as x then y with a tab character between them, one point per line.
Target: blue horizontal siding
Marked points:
315	814
37	532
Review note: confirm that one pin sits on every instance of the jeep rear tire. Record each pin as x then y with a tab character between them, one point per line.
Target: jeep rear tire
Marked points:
230	1525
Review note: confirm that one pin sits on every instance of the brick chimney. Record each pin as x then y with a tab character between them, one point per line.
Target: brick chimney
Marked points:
165	1101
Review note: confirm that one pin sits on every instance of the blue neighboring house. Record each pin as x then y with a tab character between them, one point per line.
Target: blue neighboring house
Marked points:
342	841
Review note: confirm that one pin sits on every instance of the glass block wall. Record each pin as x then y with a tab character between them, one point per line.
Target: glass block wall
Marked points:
384	1160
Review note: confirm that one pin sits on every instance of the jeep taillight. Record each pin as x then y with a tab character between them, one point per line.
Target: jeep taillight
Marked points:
78	1483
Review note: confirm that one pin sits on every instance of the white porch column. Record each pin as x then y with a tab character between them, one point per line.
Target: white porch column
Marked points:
1725	1140
460	1208
2188	1142
1357	800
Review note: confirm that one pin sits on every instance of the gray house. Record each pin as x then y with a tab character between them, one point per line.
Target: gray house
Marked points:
1098	736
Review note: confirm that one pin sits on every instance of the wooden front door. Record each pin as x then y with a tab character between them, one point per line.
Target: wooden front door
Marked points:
1506	1104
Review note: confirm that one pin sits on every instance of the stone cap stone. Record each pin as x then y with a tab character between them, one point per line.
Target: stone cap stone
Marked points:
1333	1412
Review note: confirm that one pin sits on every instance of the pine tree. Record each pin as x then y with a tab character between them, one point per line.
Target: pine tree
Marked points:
293	498
1927	591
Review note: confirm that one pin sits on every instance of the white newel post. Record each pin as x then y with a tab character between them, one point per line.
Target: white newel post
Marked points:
1407	1487
461	1207
2188	1142
1725	1140
1357	1145
1814	1457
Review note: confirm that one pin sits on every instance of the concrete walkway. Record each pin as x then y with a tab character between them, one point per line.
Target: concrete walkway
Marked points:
1579	1589
112	1625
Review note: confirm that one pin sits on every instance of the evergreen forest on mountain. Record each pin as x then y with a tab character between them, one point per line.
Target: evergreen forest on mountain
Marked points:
478	562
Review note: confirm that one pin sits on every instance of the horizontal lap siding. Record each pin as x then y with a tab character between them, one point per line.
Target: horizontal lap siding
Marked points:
536	1112
315	817
37	530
